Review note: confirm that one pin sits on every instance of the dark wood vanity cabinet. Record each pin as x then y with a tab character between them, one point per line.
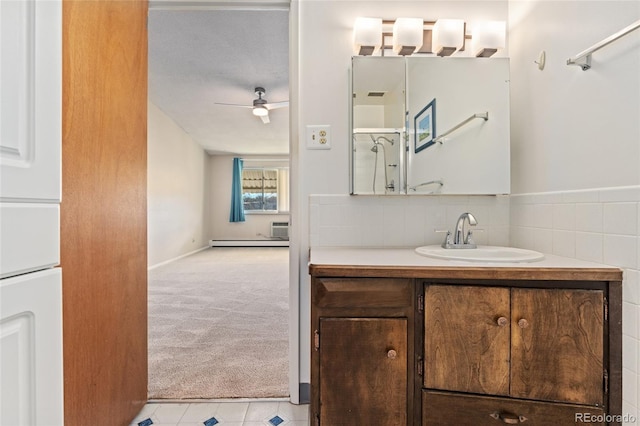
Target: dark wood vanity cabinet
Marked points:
441	347
536	345
363	331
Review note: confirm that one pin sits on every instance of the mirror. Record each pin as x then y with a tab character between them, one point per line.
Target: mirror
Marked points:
455	126
378	111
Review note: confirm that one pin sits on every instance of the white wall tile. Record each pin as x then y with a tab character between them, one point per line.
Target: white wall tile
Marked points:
333	236
454	200
629	385
331	215
500	236
631	412
543	216
620	218
564	243
630	353
393	225
585	196
543	240
415	221
589	217
314	223
352	214
522	237
631	286
564	217
436	219
589	246
631	320
620	250
616	195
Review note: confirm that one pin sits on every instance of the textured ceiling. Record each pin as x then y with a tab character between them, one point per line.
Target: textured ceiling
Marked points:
200	57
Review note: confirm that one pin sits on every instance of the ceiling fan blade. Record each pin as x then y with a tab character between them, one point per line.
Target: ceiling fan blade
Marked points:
234	105
275	105
265	119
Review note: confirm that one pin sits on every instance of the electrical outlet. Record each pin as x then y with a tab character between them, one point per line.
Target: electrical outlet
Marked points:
319	137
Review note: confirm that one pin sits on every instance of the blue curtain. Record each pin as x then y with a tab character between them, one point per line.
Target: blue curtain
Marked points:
237	209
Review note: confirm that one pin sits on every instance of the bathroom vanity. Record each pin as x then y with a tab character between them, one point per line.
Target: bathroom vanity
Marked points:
403	339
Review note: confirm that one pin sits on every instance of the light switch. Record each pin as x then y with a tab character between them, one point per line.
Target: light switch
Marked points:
319	136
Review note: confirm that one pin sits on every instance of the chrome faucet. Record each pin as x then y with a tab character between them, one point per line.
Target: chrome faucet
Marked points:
460	239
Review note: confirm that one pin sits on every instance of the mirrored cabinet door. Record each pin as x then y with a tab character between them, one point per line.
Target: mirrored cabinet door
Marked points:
378	117
458	113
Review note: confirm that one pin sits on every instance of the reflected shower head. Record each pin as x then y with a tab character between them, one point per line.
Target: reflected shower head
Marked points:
385	139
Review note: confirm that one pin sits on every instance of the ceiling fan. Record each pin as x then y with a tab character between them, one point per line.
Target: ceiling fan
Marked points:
260	107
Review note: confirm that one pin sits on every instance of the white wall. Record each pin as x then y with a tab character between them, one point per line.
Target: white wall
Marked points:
573	129
257	226
575	143
325	50
177	190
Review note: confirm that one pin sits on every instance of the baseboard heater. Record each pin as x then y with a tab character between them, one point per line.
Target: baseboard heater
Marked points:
249	243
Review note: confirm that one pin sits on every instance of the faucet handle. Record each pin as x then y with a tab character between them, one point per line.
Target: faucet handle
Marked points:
447	238
469	238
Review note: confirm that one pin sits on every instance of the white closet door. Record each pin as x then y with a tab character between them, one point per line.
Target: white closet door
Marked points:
30	100
31	349
31	379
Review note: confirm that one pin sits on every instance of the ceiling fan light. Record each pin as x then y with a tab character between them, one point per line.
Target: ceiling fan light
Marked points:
260	111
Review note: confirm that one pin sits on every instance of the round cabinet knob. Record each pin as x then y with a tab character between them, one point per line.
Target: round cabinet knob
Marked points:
392	354
502	321
523	323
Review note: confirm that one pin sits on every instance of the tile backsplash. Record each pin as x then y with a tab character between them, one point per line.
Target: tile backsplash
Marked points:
600	226
402	221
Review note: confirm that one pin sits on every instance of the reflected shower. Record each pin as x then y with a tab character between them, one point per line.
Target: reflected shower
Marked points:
388	186
373	173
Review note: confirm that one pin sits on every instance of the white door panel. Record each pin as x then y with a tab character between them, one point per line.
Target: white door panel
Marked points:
31	349
30	100
30	237
31	380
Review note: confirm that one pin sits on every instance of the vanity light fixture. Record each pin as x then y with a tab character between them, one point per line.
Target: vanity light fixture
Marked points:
488	37
407	35
448	36
367	35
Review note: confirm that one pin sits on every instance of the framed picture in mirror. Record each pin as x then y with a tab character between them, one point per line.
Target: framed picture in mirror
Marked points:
425	127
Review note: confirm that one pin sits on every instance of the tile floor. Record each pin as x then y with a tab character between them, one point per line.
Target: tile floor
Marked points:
236	413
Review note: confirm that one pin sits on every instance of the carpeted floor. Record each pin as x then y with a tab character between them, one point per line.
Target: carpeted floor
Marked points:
218	325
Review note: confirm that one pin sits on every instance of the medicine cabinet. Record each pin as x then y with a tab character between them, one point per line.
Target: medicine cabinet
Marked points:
430	125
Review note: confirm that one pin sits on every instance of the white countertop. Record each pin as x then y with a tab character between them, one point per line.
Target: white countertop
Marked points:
407	257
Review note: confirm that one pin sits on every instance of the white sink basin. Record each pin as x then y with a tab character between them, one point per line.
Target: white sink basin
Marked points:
482	254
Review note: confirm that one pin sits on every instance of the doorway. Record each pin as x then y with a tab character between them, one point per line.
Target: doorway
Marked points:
225	55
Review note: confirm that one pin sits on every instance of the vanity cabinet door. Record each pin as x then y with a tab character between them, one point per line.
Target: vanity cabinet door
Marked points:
467	339
529	343
557	345
363	371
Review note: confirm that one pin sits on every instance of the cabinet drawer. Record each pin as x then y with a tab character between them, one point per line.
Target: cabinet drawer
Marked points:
443	409
30	237
362	292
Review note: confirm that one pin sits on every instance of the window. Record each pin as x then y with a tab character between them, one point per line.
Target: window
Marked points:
260	190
